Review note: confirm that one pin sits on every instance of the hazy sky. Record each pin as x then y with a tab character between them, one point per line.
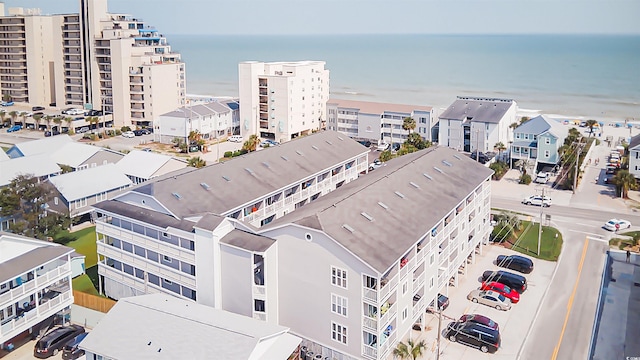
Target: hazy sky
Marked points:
371	16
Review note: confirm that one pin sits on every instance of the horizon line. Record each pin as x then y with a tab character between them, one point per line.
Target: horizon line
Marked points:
409	33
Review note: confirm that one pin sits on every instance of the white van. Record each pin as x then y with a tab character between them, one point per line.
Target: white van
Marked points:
235	138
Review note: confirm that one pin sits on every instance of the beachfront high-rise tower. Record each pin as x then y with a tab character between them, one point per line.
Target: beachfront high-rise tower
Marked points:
282	100
92	59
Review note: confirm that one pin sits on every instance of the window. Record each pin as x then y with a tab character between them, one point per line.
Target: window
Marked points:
168	282
81	203
339	277
339	333
432	259
547	153
339	305
405	314
166	258
404	287
547	140
431	283
55	200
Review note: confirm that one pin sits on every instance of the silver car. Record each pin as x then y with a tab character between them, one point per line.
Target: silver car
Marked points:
490	298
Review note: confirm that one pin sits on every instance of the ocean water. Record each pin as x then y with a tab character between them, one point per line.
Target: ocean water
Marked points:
572	75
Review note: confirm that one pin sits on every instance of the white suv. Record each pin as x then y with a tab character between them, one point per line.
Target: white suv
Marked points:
537	200
542	177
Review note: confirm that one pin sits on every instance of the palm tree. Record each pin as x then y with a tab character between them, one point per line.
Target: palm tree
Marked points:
408	124
500	147
625	181
251	144
386	155
590	124
410	350
36	120
2	114
197	162
69	121
14	116
58	121
24	118
48	119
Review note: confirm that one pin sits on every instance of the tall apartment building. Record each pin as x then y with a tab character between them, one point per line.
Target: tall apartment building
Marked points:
282	100
35	285
92	59
159	237
379	122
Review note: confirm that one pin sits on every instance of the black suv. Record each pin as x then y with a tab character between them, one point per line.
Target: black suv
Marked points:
53	341
474	334
515	262
37	108
514	281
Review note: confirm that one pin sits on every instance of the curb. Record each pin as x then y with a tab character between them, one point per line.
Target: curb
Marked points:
544	296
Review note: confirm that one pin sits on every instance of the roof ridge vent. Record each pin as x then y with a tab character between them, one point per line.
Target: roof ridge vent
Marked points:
366	216
438	170
447	163
284	158
205	185
315	147
266	164
328	142
383	205
427	176
299	153
456	156
177	196
249	171
414	185
340	138
399	194
226	178
348	228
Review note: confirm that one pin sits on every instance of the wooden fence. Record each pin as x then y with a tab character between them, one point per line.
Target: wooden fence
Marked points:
94	302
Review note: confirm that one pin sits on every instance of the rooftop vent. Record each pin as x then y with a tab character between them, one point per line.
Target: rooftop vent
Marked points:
383	205
266	164
367	216
314	147
226	178
249	171
340	138
457	157
348	228
399	194
177	196
446	163
427	176
299	153
205	186
414	185
438	170
284	158
329	142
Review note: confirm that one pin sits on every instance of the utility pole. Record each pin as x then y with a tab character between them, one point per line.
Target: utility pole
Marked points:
439	329
540	227
575	178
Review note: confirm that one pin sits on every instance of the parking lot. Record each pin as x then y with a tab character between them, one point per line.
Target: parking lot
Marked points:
514	324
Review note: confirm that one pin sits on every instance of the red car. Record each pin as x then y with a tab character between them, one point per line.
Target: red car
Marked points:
502	289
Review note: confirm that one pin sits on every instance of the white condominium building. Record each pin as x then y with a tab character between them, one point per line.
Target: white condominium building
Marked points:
35	285
282	100
379	122
94	59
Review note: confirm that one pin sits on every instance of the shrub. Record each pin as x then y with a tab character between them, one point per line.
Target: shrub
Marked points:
243	151
118	132
499	168
125	128
525	179
228	154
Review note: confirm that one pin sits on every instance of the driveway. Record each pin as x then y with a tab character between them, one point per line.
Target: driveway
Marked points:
514	324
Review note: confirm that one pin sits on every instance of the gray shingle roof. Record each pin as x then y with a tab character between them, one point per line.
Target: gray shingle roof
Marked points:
541	124
144	164
393	206
248	241
635	141
210	108
41	146
160	326
149	216
221	187
74	154
80	184
485	110
16	266
39	165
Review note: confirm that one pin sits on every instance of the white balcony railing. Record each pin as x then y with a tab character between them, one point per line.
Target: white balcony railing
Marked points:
371	295
40	281
369	352
369	323
41	312
386	318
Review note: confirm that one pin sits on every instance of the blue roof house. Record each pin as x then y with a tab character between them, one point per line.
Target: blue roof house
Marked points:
538	140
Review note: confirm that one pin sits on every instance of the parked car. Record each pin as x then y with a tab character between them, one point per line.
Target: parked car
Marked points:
542	178
138	132
490	298
375	164
443	304
147	131
83	129
7	103
608	179
611	224
235	138
514	281
71	350
515	262
366	143
53	341
480	319
269	142
73	111
537	200
475	335
482	157
14	128
37	108
383	147
129	134
501	289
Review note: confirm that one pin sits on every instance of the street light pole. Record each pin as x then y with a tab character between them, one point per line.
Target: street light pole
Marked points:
439	329
540	226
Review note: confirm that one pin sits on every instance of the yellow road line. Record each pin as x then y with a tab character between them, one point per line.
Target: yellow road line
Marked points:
571	298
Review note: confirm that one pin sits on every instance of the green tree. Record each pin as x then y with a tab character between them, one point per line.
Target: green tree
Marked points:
65	168
386	155
14	116
411	350
23	115
2	114
507	224
408	124
500	147
48	119
624	182
6	97
415	140
24	200
58	120
69	121
36	120
591	124
251	144
524	119
197	162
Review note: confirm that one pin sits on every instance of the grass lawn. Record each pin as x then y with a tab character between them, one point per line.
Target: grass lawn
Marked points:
83	241
528	241
83	284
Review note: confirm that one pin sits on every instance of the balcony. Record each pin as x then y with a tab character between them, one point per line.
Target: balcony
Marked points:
39	281
34	316
369	352
388	314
